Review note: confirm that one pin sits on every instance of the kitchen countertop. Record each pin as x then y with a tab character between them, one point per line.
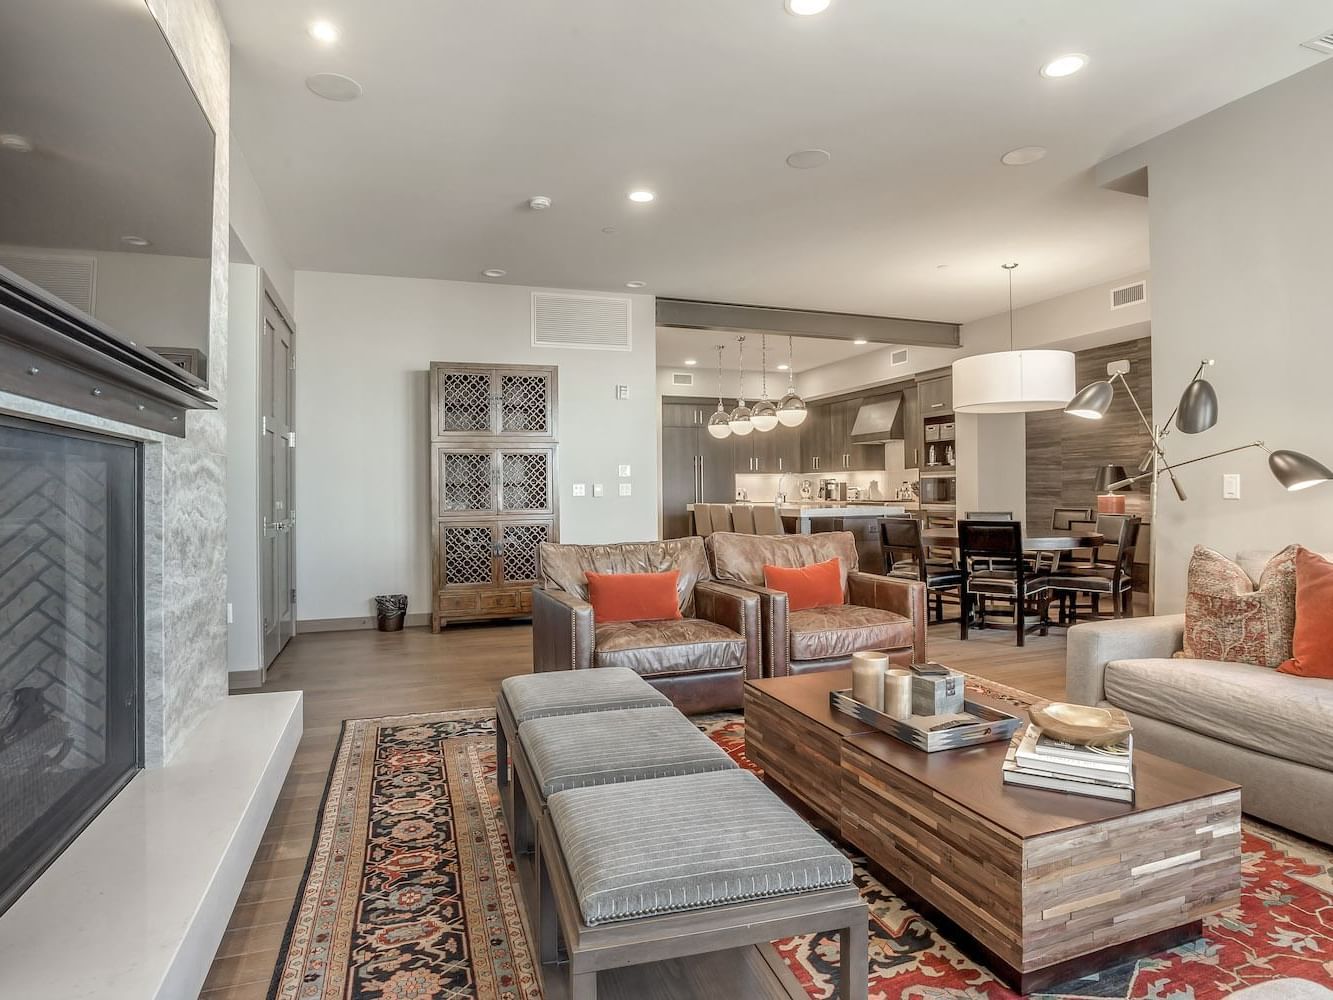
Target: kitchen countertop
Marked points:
836	508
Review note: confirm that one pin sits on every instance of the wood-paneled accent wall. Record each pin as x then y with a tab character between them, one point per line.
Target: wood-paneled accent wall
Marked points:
1064	452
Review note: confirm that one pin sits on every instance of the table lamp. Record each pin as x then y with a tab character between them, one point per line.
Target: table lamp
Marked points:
1111	488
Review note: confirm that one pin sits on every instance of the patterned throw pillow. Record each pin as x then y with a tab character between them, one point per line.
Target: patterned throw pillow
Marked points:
1230	620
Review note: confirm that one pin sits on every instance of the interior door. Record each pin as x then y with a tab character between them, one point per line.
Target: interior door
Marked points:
277	462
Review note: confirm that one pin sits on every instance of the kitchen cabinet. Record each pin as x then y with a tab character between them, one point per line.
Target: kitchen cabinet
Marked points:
770	453
694	414
815	450
826	441
912	429
936	396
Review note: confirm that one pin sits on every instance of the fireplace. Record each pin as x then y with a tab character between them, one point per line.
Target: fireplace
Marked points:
71	637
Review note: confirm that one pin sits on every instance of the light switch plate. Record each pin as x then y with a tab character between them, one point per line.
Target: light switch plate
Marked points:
626	489
1231	486
231	618
580	489
622	392
624	472
598	490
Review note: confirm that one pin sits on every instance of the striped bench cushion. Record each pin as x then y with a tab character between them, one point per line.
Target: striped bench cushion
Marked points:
603	748
573	692
687	843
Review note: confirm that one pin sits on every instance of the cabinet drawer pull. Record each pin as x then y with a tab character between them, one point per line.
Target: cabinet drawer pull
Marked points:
936	406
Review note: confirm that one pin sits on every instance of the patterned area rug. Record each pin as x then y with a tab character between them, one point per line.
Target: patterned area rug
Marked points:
411	894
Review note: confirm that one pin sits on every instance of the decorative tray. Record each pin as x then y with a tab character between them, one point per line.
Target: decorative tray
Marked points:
995	726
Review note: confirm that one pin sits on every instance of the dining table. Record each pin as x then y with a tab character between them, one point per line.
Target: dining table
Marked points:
1037	539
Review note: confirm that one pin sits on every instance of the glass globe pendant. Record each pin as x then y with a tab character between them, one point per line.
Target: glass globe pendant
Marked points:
719	424
740	417
764	415
791	409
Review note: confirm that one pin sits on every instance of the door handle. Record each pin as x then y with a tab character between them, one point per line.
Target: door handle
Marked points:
936	406
701	477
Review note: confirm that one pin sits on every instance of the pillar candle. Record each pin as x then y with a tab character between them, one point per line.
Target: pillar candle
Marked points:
898	694
868	670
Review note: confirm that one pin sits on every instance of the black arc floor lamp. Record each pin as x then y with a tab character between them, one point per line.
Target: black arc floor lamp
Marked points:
1195	413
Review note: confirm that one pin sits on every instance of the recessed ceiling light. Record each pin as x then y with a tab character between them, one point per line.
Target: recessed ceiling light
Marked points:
808	159
941	267
609	230
860	342
804	8
642	197
783	367
1066	65
334	87
136	241
325	32
15	143
636	284
1023	155
494	272
691	362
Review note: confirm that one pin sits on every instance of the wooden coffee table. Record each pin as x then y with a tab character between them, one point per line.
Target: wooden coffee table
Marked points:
1044	886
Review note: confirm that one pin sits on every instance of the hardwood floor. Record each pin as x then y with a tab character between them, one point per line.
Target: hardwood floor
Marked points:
349	675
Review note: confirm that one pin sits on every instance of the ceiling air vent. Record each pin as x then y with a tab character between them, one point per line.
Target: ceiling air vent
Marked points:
590	322
1129	295
682	378
1323	44
72	279
898	358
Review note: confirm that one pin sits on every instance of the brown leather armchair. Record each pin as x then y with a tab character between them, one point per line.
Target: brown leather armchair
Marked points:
878	612
700	662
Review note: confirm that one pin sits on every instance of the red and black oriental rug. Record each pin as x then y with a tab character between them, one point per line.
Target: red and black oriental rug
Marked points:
410	894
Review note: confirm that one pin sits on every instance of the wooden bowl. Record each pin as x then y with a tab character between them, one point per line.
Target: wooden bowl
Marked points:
1080	724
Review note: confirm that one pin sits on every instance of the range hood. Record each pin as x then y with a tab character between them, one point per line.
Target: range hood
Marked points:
878	421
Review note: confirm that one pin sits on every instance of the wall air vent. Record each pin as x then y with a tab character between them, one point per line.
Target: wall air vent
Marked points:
898	358
1129	295
1323	44
72	279
682	378
590	322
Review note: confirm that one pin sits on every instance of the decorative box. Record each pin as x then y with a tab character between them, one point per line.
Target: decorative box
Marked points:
937	695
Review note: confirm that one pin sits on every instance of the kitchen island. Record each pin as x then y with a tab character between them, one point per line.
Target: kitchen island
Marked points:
860	518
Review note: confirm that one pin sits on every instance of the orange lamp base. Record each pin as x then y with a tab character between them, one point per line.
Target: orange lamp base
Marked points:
1111	503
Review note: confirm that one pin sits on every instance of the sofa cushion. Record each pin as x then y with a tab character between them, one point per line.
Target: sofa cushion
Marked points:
603	748
1238	703
841	630
1228	619
1312	642
807	586
687	843
633	597
742	558
565	567
572	692
687	646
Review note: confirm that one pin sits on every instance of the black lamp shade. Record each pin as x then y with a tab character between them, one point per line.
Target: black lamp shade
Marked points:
1198	407
1296	471
1092	401
1108	474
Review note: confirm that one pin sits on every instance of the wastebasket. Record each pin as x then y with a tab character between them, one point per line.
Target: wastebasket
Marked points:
390	610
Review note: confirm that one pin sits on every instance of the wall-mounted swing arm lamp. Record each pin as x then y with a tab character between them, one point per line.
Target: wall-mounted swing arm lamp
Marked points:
1292	469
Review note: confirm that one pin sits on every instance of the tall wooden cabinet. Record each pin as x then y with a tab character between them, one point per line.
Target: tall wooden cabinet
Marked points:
493	487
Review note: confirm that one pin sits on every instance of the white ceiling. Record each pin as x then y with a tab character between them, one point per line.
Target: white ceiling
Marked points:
471	108
674	346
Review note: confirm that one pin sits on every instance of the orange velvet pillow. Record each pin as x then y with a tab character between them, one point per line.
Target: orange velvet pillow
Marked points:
814	586
1312	642
633	597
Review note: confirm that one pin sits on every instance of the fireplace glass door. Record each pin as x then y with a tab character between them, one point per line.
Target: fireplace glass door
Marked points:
70	638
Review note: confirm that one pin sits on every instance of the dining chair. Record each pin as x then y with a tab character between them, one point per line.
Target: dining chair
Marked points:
1000	543
742	518
767	520
1064	517
905	556
990	515
1115	580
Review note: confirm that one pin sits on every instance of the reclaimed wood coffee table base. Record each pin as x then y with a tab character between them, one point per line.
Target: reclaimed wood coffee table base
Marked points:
1043	887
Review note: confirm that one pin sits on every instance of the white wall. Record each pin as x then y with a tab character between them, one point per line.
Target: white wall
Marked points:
252	221
1240	217
362	488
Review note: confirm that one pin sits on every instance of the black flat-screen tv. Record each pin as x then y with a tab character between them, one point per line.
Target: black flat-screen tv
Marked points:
106	178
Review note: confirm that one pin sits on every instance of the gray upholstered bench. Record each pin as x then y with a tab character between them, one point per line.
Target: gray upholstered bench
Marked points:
562	693
673	867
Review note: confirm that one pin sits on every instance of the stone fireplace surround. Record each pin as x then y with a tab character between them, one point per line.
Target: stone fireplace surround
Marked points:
136	906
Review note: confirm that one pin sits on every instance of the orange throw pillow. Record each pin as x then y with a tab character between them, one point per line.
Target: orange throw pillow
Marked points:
633	597
814	586
1312	642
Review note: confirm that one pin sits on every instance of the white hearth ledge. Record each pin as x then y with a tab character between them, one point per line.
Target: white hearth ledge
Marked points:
136	907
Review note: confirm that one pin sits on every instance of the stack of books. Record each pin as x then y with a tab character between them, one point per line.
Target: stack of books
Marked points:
1035	760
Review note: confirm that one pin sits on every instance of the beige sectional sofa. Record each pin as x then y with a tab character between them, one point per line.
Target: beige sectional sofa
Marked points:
1272	733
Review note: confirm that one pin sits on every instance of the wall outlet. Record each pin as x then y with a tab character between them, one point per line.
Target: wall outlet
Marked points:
624	472
1231	486
231	619
622	392
626	489
580	489
598	490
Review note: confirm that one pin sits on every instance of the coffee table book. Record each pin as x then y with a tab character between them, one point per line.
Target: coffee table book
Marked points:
1041	887
1106	786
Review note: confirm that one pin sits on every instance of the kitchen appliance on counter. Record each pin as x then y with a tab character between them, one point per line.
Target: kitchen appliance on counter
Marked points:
832	489
938	490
